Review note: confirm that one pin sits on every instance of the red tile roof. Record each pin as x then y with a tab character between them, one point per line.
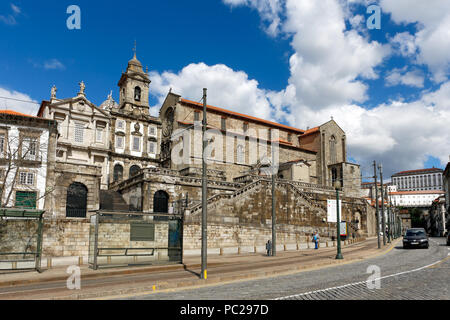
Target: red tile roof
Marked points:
417	192
241	115
15	113
311	131
418	170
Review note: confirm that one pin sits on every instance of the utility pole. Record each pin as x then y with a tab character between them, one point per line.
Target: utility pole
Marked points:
274	217
376	202
204	274
389	214
383	220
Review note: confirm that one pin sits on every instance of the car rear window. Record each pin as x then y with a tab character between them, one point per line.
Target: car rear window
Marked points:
415	233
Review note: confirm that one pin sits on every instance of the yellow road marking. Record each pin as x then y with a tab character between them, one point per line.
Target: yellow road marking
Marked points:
443	260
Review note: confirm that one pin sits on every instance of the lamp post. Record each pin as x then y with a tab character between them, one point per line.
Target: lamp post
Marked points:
337	186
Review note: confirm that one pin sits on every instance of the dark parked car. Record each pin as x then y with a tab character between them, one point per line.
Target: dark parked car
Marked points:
415	238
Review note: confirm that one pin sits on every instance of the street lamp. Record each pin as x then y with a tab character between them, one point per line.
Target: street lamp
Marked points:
337	186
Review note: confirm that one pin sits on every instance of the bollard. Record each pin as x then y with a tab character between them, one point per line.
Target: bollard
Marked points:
285	248
239	250
298	247
80	261
254	249
14	265
49	263
108	260
326	244
221	252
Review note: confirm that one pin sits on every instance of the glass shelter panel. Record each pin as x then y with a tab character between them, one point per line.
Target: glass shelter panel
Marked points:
129	239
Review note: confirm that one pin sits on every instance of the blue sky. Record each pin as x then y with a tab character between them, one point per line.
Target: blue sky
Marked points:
296	62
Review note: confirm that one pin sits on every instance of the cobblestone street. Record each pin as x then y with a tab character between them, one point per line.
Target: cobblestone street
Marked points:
405	275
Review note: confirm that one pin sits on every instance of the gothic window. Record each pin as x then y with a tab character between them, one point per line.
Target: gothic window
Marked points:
76	205
137	94
240	154
2	145
196	116
333	157
118	173
224	124
289	137
333	176
134	170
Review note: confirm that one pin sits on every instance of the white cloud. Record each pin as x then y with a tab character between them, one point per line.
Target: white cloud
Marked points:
269	11
17	101
433	31
226	88
414	78
328	70
329	61
10	19
404	43
54	64
15	8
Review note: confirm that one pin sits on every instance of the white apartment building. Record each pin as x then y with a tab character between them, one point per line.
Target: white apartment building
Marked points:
418	180
423	198
26	150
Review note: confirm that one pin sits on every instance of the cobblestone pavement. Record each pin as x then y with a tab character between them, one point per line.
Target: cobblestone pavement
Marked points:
420	274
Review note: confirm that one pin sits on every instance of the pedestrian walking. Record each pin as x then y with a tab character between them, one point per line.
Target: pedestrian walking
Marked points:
315	239
269	248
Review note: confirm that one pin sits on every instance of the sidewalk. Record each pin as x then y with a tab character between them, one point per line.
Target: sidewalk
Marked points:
221	269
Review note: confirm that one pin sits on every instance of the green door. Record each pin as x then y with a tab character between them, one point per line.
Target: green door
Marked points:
26	200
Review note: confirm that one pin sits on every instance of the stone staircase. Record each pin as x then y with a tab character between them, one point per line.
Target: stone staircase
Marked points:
250	187
112	201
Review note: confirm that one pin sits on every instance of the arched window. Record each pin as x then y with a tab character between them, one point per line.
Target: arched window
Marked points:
118	172
137	94
76	204
333	157
134	170
161	202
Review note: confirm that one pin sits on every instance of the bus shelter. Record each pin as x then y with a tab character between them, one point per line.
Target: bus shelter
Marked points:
118	239
20	239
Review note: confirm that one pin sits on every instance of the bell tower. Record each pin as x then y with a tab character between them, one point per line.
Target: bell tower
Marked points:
134	88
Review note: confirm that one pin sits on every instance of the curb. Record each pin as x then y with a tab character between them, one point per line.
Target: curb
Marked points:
148	269
174	285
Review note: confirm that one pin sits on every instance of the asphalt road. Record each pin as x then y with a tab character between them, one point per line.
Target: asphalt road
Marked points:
411	274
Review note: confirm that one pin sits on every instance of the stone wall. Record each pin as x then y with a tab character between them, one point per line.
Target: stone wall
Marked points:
18	236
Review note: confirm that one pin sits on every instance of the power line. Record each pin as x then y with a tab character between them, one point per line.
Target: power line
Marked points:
28	101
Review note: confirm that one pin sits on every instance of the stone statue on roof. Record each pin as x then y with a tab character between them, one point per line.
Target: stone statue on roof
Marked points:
53	92
82	87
